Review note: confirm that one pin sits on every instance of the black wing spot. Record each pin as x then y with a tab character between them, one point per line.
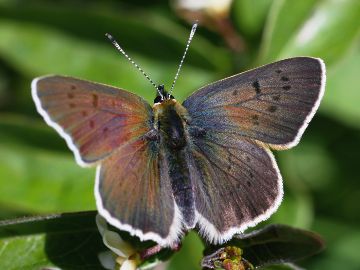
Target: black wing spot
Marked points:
248	183
91	124
229	167
84	113
276	97
72	87
235	92
95	101
272	108
256	85
278	71
255	119
72	105
287	87
70	95
231	193
197	132
284	79
251	175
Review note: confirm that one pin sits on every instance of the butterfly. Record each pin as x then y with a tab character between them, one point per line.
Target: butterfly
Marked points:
204	163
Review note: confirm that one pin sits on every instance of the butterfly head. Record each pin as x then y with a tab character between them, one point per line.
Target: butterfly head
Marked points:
162	94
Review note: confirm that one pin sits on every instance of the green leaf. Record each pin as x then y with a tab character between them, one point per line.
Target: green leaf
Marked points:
16	128
283	20
250	15
69	241
343	240
36	50
300	166
287	266
324	29
277	244
165	39
296	209
273	244
341	99
33	179
190	254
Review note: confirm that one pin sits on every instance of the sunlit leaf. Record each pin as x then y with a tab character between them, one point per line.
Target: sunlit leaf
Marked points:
283	20
316	28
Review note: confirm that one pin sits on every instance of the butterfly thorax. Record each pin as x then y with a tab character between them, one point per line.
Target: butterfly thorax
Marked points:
171	123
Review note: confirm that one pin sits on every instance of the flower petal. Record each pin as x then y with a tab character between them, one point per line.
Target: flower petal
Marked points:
107	260
129	265
101	224
114	242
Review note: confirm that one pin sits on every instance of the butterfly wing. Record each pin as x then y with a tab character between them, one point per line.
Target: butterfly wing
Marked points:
237	184
236	180
94	119
133	193
272	104
110	127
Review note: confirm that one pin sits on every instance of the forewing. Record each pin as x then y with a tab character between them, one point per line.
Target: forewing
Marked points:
94	119
133	193
237	184
272	103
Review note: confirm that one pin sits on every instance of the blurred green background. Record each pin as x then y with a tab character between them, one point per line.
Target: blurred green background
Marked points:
38	173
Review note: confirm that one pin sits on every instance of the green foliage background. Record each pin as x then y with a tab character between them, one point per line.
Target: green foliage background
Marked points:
38	173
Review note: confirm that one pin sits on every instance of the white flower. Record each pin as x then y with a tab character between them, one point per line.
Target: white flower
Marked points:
212	7
122	254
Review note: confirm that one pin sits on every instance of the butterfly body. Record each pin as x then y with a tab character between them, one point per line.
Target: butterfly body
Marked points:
205	163
171	120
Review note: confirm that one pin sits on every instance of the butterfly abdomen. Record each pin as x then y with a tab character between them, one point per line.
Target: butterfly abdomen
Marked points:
170	122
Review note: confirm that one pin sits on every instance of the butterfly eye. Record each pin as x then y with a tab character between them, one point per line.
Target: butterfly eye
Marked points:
157	99
161	88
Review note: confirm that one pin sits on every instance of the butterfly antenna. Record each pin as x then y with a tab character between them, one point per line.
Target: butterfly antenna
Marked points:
117	46
193	29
